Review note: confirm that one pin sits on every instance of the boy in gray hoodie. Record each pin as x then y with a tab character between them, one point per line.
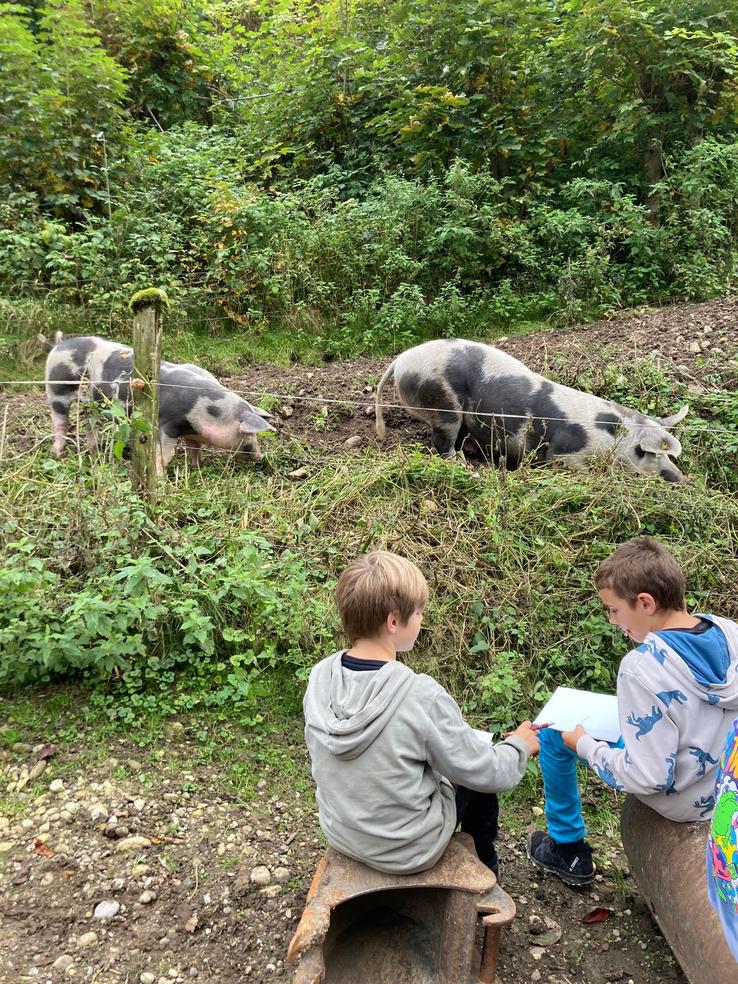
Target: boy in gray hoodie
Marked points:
395	764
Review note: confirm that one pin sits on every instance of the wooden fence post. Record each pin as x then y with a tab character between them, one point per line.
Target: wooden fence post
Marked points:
147	307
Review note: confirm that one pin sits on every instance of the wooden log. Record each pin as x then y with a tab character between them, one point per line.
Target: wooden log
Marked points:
147	307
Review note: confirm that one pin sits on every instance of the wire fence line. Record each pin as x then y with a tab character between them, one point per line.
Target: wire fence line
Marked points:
287	398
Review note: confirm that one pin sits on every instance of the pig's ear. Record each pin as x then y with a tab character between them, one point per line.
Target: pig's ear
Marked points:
252	424
259	412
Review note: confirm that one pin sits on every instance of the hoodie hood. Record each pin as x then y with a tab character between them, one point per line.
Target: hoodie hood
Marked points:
354	708
707	662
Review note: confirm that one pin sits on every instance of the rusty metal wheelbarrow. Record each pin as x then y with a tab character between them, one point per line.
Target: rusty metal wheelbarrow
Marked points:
668	861
361	925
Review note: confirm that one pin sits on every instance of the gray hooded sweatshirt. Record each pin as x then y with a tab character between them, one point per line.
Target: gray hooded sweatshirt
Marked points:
386	746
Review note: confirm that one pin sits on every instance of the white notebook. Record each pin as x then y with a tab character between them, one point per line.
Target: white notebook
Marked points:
597	713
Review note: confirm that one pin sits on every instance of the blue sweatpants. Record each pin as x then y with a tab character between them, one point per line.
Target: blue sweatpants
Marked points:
560	787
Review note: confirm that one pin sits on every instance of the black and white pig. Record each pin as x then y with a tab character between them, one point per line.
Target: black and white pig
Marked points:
193	405
461	388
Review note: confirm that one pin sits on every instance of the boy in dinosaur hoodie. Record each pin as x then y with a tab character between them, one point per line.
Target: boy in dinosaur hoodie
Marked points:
395	764
677	693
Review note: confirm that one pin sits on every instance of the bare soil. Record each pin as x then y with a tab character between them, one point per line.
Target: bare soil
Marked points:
188	907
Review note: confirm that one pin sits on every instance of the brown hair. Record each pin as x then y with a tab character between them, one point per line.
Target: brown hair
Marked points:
373	586
642	565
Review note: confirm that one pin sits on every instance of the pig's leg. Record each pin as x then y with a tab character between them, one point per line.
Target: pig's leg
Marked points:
164	453
193	452
90	435
60	425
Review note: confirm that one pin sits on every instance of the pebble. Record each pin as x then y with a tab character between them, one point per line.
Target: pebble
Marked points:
354	441
56	785
106	910
147	977
61	963
281	875
133	843
85	940
146	897
36	771
261	876
6	846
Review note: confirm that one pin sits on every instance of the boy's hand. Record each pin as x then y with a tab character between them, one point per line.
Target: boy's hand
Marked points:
529	736
572	737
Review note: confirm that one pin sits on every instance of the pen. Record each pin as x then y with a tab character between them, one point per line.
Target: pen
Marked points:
537	727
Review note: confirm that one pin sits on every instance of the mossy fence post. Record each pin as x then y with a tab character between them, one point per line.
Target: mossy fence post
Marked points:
147	307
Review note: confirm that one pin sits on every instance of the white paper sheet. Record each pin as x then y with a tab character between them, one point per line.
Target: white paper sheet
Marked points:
597	713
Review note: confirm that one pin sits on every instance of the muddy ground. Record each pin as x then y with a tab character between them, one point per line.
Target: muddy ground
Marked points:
213	887
140	870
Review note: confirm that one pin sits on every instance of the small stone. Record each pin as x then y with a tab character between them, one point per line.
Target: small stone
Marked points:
22	748
61	963
298	474
281	875
369	410
537	952
6	846
146	897
36	771
695	347
535	976
286	411
106	910
354	441
85	940
261	875
536	811
147	977
71	807
272	891
56	786
138	805
134	843
139	869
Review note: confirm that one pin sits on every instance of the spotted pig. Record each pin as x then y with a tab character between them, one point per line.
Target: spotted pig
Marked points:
193	405
464	389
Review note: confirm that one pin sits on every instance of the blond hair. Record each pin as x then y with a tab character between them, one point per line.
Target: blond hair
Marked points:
375	585
639	566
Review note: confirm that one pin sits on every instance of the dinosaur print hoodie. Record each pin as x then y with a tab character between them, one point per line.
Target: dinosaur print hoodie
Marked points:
677	698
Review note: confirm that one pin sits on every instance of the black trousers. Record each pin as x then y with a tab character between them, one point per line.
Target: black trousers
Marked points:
478	815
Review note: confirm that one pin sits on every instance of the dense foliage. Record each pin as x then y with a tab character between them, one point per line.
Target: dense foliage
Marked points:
222	596
370	173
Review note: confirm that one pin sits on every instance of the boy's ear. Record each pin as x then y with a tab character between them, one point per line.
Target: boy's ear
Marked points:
648	603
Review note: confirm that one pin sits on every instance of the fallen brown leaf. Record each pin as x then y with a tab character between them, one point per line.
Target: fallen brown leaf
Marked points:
598	915
41	849
46	752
